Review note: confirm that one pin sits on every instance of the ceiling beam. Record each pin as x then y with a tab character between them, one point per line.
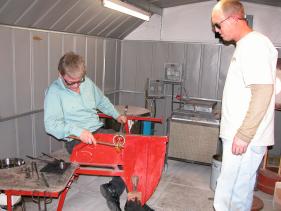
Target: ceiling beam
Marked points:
143	4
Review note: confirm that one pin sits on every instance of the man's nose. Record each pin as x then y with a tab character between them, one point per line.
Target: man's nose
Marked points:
217	30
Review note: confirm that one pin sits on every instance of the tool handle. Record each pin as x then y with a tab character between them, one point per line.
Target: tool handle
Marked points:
50	156
135	182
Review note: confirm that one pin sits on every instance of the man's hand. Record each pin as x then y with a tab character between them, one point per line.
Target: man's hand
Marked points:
87	137
239	146
122	119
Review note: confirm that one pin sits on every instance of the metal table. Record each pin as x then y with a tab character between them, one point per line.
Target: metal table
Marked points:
14	182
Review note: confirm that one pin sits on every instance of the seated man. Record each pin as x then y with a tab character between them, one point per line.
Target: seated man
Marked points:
70	108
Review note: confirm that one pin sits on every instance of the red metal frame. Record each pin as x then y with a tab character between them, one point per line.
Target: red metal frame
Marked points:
61	194
148	181
142	156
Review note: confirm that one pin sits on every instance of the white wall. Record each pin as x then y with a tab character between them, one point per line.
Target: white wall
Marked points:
191	23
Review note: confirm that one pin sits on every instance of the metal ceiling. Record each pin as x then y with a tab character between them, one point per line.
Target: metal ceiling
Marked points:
173	3
87	17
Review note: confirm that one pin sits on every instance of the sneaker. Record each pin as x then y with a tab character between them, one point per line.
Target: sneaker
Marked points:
112	198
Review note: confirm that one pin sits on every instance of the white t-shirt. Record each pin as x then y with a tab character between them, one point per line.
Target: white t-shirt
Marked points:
253	62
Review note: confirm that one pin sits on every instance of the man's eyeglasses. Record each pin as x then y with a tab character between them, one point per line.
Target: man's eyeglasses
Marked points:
75	82
218	25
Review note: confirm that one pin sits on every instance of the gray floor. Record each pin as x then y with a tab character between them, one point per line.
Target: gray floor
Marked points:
183	187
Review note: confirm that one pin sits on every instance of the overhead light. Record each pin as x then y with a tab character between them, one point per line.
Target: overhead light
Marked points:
127	9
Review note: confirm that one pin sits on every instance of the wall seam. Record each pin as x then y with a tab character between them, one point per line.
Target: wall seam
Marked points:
15	89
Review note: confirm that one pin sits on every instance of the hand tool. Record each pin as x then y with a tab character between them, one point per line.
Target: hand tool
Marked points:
44	179
134	195
34	168
33	158
119	139
98	142
61	161
51	156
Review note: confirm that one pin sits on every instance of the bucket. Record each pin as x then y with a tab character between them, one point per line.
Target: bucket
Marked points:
216	169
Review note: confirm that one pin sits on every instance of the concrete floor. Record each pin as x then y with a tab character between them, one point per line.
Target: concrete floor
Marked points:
183	187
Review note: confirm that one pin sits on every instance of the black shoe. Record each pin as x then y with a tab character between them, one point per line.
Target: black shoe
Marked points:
136	206
147	208
112	198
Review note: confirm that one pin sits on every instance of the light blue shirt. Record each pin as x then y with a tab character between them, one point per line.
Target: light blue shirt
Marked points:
68	113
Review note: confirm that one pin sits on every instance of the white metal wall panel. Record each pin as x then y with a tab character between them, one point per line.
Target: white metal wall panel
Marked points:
200	66
80	45
128	98
91	58
117	71
8	139
110	66
68	43
55	144
22	62
42	141
193	66
99	62
7	77
225	57
39	67
129	65
118	63
29	60
55	53
209	72
160	56
25	136
144	65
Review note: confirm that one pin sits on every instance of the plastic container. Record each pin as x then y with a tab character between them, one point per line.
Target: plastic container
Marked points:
216	170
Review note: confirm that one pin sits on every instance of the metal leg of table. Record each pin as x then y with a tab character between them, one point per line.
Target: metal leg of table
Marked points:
9	201
64	192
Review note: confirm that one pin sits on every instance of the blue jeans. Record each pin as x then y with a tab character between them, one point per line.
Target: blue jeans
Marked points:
235	185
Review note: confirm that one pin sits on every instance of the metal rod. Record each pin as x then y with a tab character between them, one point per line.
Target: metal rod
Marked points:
33	158
98	142
50	156
20	115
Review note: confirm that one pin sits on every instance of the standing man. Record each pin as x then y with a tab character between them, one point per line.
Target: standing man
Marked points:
247	124
70	108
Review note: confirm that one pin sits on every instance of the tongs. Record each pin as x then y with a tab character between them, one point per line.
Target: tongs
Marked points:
119	139
60	162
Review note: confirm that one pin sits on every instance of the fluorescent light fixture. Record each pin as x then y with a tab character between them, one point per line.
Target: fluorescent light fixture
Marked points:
127	9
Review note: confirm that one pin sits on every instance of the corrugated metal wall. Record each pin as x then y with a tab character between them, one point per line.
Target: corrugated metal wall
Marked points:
205	67
29	61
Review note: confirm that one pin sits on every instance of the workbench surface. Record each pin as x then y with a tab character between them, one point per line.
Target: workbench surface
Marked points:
16	178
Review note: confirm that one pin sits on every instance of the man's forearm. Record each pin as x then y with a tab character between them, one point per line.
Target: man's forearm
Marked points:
260	100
